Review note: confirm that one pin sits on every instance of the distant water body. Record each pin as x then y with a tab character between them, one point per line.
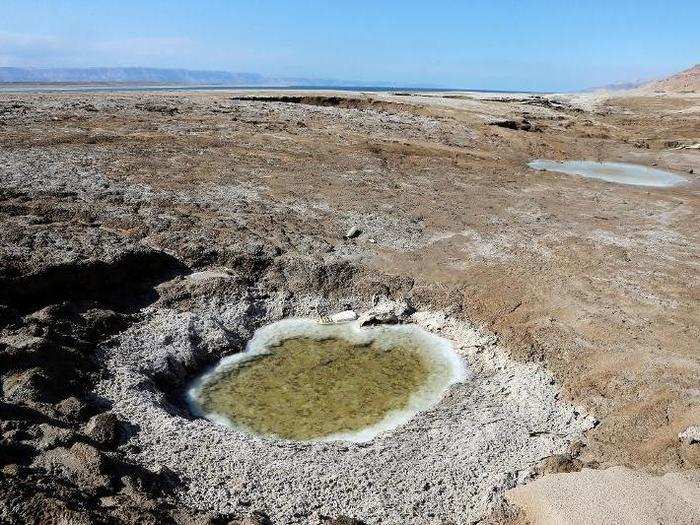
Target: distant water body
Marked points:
91	88
617	172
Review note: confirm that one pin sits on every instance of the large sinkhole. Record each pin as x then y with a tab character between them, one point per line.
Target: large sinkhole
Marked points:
306	381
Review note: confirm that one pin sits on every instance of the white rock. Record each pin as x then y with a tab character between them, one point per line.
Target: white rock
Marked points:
207	275
343	317
384	311
690	435
353	232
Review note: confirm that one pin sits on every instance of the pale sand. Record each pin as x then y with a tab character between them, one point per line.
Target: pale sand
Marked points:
614	496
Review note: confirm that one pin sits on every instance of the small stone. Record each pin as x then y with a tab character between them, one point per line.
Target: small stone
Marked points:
71	407
82	464
558	463
102	323
104	429
10	470
52	436
353	232
376	318
690	435
25	386
385	312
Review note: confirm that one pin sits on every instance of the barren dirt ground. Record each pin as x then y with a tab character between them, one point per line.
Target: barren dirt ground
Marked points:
103	196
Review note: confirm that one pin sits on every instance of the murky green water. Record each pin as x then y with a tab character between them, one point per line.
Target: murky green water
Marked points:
305	388
304	380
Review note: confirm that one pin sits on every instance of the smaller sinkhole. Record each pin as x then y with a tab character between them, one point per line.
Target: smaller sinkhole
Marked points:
306	381
618	172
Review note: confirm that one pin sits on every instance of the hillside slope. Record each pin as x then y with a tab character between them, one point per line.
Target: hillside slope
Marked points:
683	82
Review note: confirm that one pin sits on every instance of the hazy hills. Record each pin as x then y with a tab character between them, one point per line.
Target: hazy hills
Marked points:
687	81
150	76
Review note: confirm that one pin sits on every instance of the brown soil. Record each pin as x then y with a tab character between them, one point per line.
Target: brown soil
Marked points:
598	281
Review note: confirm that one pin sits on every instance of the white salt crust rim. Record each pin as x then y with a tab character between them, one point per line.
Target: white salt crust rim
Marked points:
437	349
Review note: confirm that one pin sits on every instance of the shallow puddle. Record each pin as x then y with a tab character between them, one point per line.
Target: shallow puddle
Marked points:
619	172
304	381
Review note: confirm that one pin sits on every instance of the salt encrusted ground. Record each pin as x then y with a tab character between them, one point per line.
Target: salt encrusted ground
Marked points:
450	463
105	197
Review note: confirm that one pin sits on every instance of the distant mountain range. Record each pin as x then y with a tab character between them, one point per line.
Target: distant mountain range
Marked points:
617	86
685	81
127	74
132	75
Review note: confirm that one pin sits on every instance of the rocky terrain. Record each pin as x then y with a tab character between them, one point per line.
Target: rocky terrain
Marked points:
144	236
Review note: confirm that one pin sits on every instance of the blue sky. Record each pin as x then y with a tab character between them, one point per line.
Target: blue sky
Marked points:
498	44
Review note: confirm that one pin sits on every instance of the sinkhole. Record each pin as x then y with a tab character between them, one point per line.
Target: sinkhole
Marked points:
619	172
306	381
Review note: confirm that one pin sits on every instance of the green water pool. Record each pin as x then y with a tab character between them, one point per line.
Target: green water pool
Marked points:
322	385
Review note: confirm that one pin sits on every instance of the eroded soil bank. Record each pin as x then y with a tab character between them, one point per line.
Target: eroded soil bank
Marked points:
144	237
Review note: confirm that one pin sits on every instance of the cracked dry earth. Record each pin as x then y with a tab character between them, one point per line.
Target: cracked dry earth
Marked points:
145	236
